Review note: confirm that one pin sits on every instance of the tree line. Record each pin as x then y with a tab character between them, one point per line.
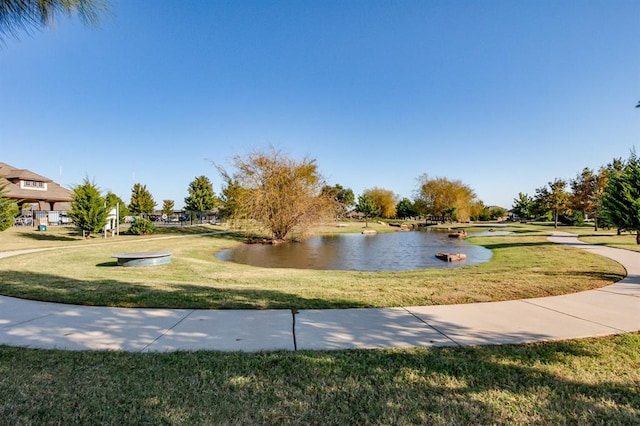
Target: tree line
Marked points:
610	197
270	189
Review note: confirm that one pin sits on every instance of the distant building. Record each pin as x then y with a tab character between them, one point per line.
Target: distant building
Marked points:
34	192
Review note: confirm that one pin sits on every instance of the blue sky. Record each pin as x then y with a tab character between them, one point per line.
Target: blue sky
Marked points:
502	95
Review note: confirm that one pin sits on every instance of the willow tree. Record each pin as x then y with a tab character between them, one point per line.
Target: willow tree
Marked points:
277	191
385	200
443	197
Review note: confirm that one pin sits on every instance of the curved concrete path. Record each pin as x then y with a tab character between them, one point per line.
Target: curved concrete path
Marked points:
609	310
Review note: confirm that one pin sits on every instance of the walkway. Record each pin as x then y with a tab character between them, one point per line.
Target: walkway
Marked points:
609	310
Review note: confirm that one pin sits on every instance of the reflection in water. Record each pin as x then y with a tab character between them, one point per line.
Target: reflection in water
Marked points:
397	251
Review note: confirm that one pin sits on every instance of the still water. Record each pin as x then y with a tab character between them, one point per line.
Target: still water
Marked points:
396	251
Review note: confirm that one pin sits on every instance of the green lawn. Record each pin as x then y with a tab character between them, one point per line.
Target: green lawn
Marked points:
524	265
590	381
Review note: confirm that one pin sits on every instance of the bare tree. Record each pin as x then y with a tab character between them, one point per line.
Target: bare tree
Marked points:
277	191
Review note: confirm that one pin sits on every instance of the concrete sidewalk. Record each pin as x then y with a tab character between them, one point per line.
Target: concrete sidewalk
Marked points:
609	310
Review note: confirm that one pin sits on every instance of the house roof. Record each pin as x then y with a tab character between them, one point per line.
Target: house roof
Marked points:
12	177
10	173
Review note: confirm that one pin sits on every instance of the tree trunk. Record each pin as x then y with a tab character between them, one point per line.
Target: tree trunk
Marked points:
638	237
555	219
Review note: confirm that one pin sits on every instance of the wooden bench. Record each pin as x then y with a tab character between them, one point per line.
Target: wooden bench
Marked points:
146	258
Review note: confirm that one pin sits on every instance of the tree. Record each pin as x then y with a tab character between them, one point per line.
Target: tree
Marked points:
405	208
114	201
201	197
8	209
277	191
88	208
141	200
451	199
25	15
384	200
228	197
496	212
523	206
168	207
621	199
555	199
367	207
342	197
587	190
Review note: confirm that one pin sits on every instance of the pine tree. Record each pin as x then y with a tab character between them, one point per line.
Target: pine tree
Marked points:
168	206
88	208
141	200
8	209
622	197
201	197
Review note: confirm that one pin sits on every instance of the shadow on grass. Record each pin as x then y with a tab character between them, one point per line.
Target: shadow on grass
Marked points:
591	275
43	236
519	244
114	293
513	384
107	264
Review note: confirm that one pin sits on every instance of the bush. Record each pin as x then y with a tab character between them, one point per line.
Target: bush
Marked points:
142	227
575	219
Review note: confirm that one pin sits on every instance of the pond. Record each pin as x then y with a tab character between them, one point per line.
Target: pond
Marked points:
395	251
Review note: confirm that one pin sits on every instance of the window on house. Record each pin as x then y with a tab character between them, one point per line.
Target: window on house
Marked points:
33	184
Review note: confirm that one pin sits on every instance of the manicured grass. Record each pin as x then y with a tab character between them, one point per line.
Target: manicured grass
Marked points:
524	265
591	381
26	237
625	241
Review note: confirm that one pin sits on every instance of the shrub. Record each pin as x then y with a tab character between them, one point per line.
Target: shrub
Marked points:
142	227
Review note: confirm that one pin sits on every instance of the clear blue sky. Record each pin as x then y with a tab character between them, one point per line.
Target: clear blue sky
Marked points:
502	95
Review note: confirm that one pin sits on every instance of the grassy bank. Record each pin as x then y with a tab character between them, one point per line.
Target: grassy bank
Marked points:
592	381
524	265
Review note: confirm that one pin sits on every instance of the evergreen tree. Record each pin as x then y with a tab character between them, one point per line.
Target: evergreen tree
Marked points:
405	208
141	200
621	200
201	197
88	208
8	209
168	206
